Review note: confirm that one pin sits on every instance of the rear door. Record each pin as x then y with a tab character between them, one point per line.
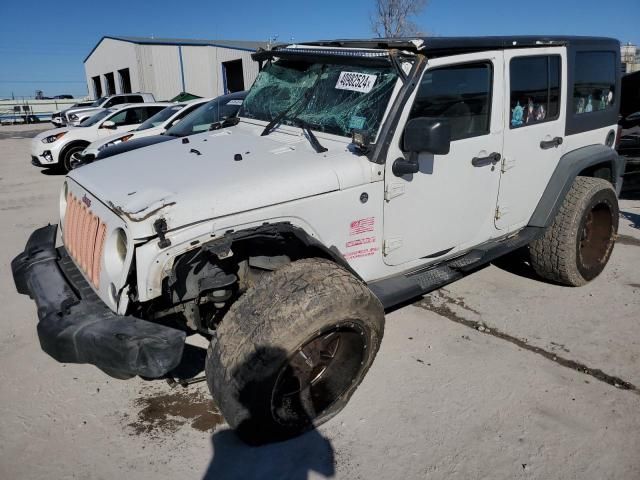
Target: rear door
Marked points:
535	93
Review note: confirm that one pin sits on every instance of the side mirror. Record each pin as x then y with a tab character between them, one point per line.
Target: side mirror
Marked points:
108	124
431	135
422	134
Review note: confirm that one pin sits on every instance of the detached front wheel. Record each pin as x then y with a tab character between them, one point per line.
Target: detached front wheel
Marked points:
292	350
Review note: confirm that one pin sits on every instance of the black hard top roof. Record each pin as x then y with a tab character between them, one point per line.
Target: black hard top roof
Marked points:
433	46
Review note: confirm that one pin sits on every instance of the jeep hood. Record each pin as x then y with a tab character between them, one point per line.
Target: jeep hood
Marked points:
186	183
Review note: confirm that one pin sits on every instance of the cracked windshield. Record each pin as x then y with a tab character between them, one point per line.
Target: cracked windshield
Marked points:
328	98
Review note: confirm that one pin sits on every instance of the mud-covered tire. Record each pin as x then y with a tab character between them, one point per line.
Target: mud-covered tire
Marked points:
576	247
279	335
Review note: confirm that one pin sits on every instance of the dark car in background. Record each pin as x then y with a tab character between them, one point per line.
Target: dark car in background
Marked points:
629	143
210	116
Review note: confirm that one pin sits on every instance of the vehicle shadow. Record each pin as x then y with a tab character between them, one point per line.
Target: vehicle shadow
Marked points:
634	218
290	458
517	263
52	172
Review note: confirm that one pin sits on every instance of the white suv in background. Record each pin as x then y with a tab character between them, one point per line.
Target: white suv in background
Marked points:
75	116
56	147
155	125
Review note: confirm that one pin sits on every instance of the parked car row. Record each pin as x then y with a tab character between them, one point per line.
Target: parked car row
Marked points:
125	127
76	114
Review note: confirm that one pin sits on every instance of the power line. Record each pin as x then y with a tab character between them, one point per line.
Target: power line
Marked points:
43	81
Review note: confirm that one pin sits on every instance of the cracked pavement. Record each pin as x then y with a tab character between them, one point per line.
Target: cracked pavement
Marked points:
465	384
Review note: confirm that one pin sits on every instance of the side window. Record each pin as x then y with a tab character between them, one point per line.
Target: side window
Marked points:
115	101
594	82
461	94
134	98
119	118
535	89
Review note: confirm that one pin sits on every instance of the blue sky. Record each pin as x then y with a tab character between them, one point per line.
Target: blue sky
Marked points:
43	44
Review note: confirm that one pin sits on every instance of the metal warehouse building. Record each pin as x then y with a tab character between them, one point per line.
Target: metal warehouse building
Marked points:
169	66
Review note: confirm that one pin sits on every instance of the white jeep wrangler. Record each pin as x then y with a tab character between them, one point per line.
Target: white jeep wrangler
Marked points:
357	175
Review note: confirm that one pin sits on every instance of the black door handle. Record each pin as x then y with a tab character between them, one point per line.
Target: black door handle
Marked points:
553	143
490	159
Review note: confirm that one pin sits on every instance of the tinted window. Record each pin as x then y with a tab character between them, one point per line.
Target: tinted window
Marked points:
594	83
535	90
461	94
134	116
115	101
134	99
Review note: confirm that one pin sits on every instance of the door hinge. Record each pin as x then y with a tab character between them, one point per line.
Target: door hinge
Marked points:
391	244
501	211
393	190
507	164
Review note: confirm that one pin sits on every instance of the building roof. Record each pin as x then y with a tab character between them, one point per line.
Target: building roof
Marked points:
246	45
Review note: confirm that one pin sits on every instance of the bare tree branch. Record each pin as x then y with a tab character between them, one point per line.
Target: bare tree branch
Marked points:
393	18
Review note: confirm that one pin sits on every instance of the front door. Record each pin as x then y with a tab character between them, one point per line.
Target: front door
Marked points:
450	203
533	131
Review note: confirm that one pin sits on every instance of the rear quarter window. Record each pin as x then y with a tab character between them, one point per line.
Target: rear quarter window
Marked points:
594	82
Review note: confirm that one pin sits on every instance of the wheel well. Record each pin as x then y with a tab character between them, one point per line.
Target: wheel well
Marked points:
602	170
76	143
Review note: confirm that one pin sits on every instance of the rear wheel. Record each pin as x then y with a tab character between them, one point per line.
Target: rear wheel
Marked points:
576	247
292	350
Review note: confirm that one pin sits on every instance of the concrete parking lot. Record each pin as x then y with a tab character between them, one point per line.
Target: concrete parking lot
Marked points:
497	376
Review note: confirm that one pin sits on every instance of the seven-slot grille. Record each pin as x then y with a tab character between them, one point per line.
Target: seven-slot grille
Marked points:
84	236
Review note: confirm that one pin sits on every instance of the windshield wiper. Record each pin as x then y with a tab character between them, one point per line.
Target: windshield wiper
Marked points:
301	101
313	140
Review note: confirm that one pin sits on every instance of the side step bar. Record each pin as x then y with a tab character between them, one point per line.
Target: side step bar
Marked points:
408	285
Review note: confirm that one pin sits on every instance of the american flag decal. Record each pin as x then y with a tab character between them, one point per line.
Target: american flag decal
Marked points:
362	226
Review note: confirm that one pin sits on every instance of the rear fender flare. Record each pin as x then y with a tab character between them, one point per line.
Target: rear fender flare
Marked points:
568	168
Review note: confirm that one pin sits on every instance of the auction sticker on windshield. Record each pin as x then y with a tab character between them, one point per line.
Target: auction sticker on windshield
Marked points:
357	82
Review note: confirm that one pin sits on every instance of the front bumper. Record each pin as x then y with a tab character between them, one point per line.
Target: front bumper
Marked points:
77	327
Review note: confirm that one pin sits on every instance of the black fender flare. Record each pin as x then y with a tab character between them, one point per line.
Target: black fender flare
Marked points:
568	168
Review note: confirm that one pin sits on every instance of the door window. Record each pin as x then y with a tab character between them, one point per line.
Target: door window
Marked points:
134	98
461	94
535	90
132	116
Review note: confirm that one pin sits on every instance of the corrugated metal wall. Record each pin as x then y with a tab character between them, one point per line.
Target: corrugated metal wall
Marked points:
199	71
111	56
249	67
156	68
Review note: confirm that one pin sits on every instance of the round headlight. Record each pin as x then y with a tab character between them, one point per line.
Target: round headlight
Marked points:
115	253
64	192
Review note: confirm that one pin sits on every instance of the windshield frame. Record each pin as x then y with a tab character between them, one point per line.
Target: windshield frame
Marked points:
190	119
148	123
97	117
335	64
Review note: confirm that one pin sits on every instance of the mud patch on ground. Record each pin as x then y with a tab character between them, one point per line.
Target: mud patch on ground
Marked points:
167	412
628	240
